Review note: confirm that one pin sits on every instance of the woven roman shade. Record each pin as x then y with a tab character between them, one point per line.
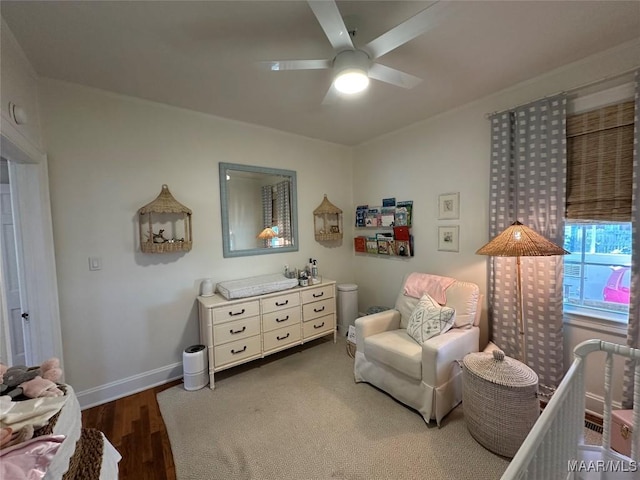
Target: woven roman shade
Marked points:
600	163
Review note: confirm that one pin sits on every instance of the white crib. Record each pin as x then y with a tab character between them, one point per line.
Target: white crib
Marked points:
555	448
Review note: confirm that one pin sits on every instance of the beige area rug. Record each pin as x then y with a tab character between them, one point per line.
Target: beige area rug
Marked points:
300	415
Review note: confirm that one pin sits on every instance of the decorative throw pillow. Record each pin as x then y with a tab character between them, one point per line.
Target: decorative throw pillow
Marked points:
429	319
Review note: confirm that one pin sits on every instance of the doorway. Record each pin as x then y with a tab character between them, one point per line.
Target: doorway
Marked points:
35	261
18	351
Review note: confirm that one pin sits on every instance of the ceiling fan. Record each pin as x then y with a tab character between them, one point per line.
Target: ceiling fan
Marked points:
353	67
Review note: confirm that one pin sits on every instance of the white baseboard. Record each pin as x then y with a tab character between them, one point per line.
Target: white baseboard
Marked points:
595	403
128	386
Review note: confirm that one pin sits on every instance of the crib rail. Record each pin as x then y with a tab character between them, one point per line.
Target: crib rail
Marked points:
555	439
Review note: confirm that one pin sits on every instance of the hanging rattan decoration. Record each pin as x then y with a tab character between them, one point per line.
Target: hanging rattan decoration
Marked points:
327	221
158	242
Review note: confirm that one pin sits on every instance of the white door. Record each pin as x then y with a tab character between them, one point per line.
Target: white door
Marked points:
11	275
31	209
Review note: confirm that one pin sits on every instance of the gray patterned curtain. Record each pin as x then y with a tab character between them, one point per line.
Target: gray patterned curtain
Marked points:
633	332
528	174
267	210
283	211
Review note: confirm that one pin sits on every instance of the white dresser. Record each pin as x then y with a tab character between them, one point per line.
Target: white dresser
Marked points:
238	331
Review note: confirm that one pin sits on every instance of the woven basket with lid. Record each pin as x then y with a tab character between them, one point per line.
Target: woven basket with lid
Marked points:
500	400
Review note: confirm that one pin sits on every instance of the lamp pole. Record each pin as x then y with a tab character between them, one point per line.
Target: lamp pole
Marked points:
523	339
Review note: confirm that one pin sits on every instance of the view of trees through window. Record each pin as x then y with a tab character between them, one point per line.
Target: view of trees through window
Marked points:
597	272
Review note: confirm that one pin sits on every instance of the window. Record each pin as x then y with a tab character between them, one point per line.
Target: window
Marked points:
276	241
597	229
597	272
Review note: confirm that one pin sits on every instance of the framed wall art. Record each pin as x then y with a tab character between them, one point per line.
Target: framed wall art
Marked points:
449	206
448	238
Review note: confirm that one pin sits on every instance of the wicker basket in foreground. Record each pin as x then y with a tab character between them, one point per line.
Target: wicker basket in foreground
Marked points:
500	400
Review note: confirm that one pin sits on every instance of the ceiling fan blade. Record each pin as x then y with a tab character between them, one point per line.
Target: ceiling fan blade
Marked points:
393	76
409	29
331	22
331	97
277	65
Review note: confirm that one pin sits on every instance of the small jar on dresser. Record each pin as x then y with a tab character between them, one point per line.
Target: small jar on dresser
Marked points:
240	330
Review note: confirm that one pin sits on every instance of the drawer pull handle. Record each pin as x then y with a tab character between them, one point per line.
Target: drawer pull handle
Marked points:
319	309
282	338
239	351
282	304
233	332
318	295
625	431
282	319
237	313
318	326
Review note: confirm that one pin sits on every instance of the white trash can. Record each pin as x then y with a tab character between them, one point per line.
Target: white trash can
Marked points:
194	367
347	306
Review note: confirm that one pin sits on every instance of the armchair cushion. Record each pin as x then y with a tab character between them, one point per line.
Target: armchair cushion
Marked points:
429	319
397	350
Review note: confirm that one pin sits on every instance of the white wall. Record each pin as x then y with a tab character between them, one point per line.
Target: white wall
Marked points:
450	153
20	145
125	326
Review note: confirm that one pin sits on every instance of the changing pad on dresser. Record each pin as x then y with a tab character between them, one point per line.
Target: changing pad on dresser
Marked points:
259	285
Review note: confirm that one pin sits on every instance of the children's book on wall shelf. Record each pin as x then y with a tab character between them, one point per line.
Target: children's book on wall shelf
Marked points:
361	213
387	216
384	243
403	213
372	245
390	214
392	221
372	218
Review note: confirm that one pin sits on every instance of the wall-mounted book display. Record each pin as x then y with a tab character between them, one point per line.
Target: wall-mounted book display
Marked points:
392	222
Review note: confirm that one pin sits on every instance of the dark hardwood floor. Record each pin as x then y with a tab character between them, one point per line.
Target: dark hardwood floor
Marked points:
135	427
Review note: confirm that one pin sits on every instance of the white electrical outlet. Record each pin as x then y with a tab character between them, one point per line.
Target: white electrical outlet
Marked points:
351	335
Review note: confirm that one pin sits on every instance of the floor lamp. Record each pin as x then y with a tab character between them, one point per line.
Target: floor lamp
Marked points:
518	241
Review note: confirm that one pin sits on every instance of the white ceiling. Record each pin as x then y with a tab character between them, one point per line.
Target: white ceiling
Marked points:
203	55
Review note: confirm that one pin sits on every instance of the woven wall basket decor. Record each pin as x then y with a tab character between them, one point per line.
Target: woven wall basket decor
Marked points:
168	212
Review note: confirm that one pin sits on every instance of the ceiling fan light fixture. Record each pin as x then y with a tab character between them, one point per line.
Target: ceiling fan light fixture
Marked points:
351	80
351	71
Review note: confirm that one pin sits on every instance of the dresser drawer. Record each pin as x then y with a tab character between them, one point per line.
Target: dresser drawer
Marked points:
318	309
318	293
319	325
236	311
273	304
236	330
281	318
236	351
281	337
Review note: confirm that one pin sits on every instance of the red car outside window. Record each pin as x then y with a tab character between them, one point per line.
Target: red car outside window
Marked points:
616	289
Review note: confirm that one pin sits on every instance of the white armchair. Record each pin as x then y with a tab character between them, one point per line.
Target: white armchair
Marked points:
427	376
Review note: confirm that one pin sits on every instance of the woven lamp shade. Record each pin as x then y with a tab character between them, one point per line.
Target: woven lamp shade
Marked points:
267	233
520	241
